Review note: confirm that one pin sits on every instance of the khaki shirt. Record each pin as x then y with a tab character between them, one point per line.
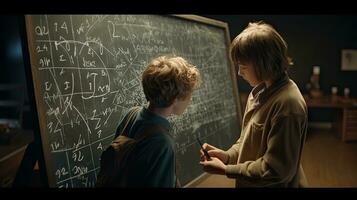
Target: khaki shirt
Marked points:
274	127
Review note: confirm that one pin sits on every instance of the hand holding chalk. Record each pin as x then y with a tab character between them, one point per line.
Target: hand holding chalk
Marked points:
204	150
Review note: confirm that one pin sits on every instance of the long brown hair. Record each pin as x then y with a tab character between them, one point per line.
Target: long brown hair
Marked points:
262	46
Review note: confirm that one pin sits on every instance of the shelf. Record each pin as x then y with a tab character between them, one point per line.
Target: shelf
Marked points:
9	103
9	87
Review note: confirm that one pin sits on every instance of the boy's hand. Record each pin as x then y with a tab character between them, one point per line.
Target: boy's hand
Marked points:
214	166
214	152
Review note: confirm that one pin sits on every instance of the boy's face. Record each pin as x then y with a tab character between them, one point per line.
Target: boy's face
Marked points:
180	105
247	72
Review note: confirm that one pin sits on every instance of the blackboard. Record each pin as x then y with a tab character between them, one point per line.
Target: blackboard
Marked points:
86	71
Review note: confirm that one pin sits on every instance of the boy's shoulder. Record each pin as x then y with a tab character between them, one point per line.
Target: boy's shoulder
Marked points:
160	138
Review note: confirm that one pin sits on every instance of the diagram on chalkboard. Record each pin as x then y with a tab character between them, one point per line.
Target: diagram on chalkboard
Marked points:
86	72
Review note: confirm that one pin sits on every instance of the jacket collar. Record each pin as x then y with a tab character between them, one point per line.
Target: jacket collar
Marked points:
260	93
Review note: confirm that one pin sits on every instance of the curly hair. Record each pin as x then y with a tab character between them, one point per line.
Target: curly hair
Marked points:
167	78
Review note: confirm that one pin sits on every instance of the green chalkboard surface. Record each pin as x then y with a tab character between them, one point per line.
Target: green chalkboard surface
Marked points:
86	71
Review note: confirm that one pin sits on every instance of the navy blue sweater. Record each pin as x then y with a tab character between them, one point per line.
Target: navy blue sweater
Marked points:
152	163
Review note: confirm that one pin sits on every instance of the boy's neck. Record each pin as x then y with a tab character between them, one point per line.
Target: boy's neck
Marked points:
163	112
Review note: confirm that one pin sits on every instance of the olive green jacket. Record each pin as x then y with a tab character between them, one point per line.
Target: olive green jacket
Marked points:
274	127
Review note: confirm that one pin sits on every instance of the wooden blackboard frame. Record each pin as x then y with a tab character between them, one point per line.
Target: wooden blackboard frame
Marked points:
39	101
223	25
34	151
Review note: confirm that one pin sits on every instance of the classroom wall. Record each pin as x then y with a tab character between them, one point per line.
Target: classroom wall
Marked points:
12	69
11	61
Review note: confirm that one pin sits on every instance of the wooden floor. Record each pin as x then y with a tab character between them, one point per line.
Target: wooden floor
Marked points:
327	161
11	155
214	181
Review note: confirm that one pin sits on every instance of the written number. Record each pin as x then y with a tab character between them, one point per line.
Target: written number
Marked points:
61	172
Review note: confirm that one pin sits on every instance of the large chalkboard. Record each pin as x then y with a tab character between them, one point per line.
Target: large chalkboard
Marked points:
86	71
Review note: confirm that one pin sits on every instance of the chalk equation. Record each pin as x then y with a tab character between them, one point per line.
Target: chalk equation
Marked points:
89	70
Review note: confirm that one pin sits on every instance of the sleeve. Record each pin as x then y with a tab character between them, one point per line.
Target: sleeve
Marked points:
280	161
233	152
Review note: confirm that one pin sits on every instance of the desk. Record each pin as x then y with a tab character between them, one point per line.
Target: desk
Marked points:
346	121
